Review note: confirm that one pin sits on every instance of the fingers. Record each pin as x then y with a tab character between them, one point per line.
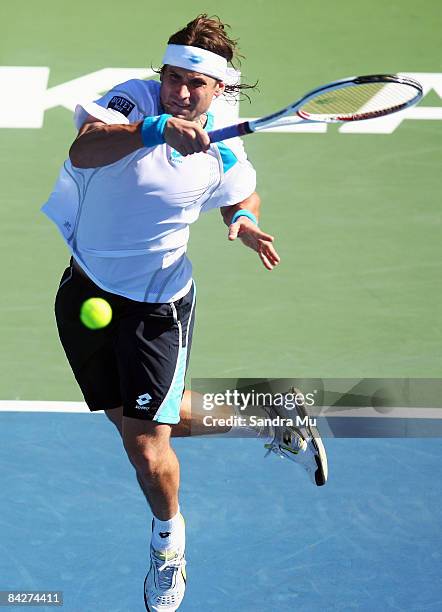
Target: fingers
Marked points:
202	138
269	256
257	240
194	140
186	137
265	261
233	230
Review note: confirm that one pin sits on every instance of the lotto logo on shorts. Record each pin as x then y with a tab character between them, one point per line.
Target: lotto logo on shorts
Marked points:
143	402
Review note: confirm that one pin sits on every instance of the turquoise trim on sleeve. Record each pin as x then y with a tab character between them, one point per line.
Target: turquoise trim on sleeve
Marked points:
228	157
210	122
244	213
152	130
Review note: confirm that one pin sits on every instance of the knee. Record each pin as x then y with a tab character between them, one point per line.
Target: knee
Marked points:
145	457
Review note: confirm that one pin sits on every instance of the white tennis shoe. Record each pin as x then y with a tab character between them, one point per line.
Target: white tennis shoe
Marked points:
165	581
301	444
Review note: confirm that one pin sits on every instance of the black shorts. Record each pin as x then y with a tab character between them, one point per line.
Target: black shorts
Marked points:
138	361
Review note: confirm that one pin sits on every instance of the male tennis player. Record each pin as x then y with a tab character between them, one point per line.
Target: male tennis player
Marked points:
141	170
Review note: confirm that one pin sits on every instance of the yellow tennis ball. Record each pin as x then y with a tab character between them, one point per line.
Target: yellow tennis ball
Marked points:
95	313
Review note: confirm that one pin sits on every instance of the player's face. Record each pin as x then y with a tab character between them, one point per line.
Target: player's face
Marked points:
187	94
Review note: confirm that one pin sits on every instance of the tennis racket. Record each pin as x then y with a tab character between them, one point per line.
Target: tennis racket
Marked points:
351	99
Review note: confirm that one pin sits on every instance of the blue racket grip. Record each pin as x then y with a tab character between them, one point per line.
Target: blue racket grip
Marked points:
231	131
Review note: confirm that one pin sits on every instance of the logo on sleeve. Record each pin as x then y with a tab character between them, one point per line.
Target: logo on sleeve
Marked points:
122	105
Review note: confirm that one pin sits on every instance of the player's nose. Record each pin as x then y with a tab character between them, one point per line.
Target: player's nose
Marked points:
183	91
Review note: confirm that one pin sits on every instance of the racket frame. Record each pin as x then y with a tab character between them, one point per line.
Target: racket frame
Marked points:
293	114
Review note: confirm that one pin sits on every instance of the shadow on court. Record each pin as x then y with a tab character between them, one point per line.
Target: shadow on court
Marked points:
261	537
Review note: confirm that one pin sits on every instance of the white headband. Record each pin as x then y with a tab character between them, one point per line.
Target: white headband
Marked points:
197	60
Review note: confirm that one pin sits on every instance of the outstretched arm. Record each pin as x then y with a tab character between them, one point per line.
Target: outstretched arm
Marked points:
99	144
249	233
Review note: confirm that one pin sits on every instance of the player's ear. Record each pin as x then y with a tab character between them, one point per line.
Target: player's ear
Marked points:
219	89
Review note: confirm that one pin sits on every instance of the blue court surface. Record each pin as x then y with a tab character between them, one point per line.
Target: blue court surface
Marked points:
261	537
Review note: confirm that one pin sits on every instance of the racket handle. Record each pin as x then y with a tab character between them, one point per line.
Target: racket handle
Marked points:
230	131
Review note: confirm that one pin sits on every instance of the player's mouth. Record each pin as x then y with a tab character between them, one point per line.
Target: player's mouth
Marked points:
180	107
182	111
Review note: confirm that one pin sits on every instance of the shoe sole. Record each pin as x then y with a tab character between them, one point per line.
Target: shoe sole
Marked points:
321	473
145	598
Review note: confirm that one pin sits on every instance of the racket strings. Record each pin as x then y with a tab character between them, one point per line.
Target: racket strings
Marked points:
359	101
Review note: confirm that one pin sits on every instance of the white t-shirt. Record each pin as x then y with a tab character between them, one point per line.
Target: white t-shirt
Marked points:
127	224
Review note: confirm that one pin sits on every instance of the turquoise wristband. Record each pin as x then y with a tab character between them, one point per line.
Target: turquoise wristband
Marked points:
244	213
152	130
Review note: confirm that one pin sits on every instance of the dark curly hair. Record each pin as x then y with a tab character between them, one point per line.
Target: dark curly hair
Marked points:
210	33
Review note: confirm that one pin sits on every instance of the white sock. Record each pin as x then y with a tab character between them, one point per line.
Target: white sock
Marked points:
167	535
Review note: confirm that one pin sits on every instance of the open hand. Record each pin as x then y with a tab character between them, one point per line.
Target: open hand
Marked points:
250	234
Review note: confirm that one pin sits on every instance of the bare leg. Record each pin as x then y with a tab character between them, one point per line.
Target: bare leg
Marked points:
116	417
148	447
192	413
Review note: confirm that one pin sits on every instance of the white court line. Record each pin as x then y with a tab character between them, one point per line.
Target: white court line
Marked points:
410	412
43	406
325	412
